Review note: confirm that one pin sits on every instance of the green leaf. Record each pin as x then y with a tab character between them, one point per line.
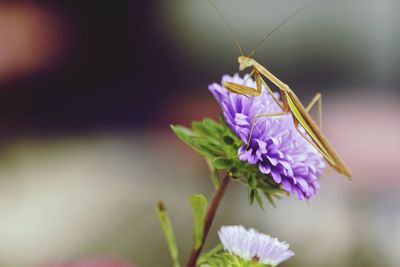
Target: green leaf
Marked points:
222	163
228	140
252	182
206	147
270	194
259	200
214	175
206	151
199	205
251	195
201	129
212	125
168	233
208	128
209	144
185	134
270	199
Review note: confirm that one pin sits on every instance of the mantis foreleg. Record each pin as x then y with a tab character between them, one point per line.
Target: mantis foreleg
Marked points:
243	89
327	157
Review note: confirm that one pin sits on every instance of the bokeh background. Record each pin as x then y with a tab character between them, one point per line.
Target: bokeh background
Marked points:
87	93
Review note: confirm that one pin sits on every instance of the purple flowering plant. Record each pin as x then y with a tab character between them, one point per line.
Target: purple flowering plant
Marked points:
278	159
271	161
275	146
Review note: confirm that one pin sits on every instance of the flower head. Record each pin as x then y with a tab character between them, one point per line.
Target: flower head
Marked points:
252	245
275	144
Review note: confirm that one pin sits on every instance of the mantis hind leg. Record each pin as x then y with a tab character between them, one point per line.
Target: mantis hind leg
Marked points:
327	158
316	99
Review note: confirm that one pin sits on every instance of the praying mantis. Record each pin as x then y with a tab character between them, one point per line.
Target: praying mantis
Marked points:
289	101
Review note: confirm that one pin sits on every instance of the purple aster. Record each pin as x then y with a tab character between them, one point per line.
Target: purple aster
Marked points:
250	245
275	145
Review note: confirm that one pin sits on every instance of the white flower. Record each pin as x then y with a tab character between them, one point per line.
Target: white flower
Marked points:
252	245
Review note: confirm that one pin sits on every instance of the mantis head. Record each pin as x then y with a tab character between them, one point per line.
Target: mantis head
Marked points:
244	62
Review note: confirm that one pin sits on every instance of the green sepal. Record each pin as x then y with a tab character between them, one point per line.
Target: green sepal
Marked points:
209	254
226	259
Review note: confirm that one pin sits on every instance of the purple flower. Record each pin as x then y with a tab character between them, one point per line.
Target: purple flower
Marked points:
250	245
275	145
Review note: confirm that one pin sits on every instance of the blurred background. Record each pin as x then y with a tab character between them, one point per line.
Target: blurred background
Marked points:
88	91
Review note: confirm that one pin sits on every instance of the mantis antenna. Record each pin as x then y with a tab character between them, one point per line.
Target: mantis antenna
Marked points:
228	26
276	28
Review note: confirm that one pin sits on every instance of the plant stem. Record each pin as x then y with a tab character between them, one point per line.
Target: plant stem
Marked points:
212	209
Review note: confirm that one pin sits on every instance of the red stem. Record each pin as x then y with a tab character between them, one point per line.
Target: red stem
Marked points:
212	209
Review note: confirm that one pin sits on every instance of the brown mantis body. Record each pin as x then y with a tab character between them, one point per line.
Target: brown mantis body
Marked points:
290	103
